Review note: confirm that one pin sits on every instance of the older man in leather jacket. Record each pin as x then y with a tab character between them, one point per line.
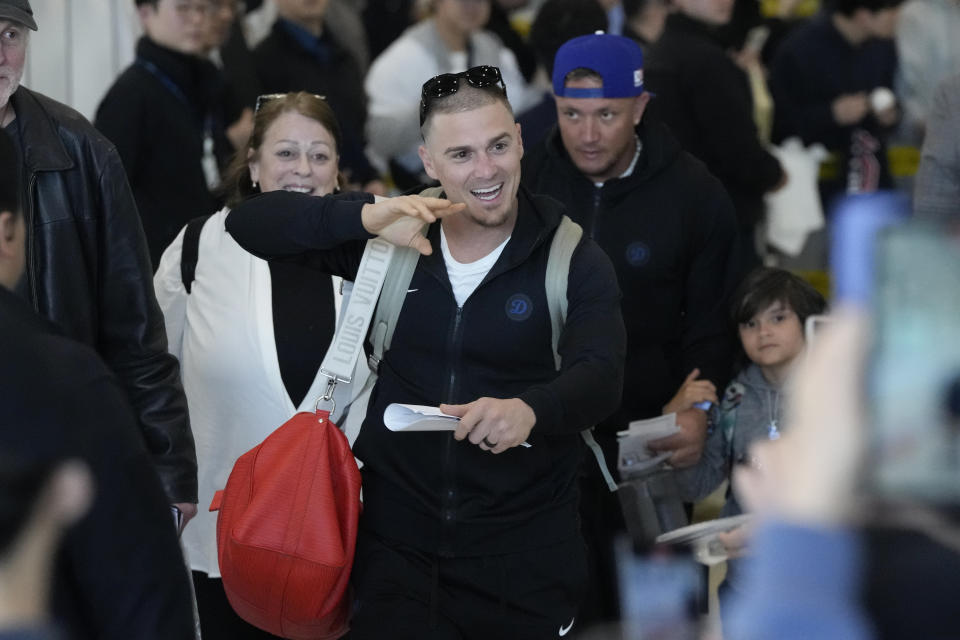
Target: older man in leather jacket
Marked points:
87	265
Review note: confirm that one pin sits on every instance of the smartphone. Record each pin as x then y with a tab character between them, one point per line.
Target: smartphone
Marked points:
913	377
661	595
855	221
907	274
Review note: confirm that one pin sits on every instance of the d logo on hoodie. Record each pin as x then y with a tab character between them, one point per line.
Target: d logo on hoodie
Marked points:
638	254
519	307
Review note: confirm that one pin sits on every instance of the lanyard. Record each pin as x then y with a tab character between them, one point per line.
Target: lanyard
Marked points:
208	162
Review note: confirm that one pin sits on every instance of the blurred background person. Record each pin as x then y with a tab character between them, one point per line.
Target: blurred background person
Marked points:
250	335
164	115
937	192
831	82
615	15
769	310
385	20
302	53
451	39
88	270
706	100
120	574
822	80
644	20
226	47
928	52
499	24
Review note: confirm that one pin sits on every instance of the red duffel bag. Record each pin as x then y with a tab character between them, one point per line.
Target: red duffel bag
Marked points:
287	530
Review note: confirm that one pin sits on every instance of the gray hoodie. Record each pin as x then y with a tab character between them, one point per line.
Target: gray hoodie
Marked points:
750	410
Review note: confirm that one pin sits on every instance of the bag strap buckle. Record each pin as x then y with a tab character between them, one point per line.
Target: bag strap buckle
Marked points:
328	396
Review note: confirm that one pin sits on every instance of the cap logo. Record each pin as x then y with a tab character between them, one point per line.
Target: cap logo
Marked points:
638	77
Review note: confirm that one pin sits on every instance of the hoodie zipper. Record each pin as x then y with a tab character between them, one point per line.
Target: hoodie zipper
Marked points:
596	211
448	512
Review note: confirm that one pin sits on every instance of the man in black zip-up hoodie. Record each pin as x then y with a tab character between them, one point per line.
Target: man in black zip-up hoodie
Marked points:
469	535
669	228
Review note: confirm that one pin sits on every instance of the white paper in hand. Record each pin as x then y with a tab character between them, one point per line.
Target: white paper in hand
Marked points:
417	417
704	529
634	456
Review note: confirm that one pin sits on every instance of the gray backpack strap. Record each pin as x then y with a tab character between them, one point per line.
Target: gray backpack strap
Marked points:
565	242
392	295
391	301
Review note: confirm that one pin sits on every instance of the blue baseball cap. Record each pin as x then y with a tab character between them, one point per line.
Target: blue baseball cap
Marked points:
618	60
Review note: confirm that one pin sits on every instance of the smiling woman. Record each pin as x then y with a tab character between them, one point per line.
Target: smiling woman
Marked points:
294	146
250	335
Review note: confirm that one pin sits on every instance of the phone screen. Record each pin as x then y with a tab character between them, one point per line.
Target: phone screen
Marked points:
914	370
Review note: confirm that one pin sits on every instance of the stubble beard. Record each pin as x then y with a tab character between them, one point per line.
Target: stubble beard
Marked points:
13	83
487	222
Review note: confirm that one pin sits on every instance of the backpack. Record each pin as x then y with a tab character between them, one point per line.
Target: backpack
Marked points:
190	251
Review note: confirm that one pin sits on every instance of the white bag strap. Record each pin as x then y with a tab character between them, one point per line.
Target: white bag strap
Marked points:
565	242
379	265
348	341
341	357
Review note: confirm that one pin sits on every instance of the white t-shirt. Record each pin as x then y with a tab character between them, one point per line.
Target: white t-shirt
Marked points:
466	277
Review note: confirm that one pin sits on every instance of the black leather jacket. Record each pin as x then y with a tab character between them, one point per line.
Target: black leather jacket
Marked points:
89	272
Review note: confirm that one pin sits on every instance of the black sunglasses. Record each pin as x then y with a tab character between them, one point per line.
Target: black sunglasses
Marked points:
447	84
267	97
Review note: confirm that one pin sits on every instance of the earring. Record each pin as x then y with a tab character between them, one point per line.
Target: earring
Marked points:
253	183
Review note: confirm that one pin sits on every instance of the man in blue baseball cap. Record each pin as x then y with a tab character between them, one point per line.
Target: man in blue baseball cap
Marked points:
670	230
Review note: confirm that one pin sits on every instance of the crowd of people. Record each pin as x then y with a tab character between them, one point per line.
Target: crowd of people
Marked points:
170	281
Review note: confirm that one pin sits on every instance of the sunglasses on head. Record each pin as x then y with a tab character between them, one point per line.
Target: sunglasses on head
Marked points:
267	97
447	84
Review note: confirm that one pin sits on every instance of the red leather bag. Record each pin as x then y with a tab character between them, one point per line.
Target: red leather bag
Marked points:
287	530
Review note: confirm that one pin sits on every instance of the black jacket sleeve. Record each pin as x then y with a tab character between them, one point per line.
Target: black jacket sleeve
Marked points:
323	233
132	339
592	348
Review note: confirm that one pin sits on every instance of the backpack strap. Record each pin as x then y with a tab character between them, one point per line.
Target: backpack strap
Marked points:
402	266
190	252
565	241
